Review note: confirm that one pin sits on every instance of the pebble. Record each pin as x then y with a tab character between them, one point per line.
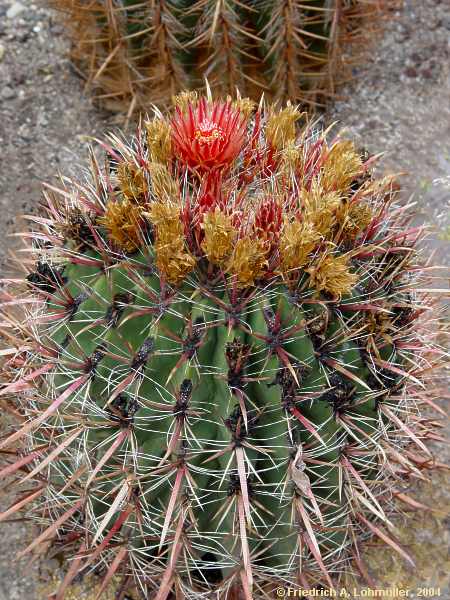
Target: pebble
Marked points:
22	36
8	93
2	52
15	9
411	72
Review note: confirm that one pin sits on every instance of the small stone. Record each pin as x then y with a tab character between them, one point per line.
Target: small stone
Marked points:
427	73
372	124
411	72
25	132
15	9
8	93
2	52
22	36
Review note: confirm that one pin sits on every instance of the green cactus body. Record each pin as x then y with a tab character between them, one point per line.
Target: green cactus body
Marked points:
220	319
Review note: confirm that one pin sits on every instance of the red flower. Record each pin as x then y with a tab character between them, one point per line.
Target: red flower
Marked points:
209	135
210	194
268	219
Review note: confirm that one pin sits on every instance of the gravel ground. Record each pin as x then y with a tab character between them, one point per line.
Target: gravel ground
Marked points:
399	104
44	112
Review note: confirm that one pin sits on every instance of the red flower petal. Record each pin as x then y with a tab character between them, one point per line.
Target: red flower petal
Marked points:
209	135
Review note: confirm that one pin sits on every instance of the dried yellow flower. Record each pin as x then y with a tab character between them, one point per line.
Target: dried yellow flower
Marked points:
380	324
123	221
320	209
245	105
297	241
291	156
354	218
280	129
159	140
342	164
183	99
220	236
166	217
132	181
172	257
174	262
164	186
331	274
248	260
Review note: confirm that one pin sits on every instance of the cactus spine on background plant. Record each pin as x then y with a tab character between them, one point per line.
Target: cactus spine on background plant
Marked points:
220	367
136	53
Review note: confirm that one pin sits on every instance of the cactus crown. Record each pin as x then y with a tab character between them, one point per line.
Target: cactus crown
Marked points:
223	355
231	198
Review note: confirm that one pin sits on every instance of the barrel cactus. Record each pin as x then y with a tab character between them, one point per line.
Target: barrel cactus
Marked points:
136	52
219	368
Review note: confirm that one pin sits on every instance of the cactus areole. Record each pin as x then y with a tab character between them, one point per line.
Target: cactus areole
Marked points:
221	356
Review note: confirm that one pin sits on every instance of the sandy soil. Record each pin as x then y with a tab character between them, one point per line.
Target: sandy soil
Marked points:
399	104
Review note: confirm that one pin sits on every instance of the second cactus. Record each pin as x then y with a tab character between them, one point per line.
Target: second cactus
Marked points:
135	53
